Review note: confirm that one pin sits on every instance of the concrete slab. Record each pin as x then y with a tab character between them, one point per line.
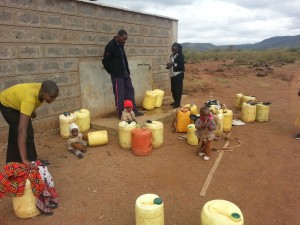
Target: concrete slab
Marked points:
110	122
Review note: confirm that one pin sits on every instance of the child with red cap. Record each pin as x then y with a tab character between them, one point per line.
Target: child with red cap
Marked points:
128	114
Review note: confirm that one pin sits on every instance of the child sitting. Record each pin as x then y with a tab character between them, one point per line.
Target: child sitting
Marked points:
128	114
205	126
77	143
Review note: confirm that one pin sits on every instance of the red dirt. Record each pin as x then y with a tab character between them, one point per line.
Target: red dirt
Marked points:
261	177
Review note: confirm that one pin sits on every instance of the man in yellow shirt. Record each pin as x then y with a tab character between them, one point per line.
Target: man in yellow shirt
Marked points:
17	105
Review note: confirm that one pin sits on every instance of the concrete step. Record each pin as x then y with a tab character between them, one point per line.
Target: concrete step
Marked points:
164	114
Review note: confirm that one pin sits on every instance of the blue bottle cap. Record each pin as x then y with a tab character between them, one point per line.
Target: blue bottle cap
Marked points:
158	201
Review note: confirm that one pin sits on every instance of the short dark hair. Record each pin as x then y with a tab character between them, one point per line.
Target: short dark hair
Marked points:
178	46
49	87
122	32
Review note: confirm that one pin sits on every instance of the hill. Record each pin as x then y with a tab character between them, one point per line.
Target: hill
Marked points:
270	43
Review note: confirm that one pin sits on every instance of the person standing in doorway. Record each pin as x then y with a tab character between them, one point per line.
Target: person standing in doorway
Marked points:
116	64
17	105
176	67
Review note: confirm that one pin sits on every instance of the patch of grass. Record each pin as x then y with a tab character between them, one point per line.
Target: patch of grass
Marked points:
244	57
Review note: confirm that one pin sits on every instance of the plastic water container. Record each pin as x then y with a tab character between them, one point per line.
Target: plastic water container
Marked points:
25	205
160	97
219	130
248	113
141	141
125	134
65	120
262	112
183	119
149	210
238	101
97	138
149	100
83	119
227	119
193	108
247	98
157	129
221	212
191	137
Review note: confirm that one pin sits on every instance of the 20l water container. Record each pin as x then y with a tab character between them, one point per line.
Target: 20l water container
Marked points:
219	130
248	113
25	205
83	119
191	137
97	138
149	100
160	97
125	134
65	120
262	112
157	129
239	101
193	108
141	141
227	119
183	119
149	210
247	98
221	212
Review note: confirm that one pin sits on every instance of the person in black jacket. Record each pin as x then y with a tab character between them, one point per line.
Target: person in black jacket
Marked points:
176	67
116	64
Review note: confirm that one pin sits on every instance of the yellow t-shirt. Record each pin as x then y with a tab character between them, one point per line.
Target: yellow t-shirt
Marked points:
22	97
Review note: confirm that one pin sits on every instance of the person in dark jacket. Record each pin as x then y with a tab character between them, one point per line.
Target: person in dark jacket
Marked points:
116	64
176	67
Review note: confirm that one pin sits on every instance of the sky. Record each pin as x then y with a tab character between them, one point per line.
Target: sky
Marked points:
223	22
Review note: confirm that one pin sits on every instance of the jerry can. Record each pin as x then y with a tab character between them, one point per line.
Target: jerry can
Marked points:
149	100
160	97
183	120
125	134
149	210
83	119
248	113
157	129
65	120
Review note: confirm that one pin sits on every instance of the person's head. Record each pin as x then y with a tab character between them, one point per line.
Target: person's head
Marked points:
49	91
122	37
176	48
128	105
205	112
74	129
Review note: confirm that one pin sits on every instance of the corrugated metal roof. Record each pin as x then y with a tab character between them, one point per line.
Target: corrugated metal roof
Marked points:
125	9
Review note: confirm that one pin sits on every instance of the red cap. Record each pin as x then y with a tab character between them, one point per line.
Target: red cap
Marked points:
127	104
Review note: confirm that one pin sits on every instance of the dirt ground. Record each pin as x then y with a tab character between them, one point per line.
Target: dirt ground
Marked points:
261	177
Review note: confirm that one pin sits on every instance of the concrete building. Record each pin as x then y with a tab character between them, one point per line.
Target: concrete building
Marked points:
64	40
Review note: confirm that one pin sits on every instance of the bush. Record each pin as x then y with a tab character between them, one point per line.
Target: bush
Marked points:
244	56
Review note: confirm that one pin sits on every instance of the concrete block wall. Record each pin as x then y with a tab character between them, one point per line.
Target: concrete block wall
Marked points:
49	39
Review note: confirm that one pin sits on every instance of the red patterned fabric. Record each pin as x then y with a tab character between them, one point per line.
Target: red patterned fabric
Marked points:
13	179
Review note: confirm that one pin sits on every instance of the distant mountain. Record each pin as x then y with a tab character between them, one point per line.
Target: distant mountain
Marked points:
273	42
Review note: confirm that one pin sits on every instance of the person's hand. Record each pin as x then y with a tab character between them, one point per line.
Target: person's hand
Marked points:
170	64
30	164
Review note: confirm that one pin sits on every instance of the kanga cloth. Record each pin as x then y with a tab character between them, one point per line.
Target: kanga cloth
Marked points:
13	179
48	200
297	122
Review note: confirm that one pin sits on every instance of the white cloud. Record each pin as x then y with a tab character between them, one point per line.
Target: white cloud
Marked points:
223	22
